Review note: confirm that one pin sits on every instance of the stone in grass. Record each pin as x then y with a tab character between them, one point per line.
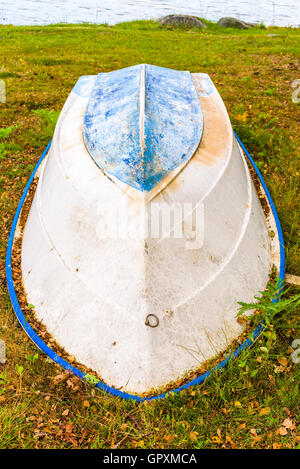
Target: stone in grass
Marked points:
182	20
228	22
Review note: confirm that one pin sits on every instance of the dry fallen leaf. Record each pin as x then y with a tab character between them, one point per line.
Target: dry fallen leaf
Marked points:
282	431
217	439
282	361
229	440
256	439
69	427
265	411
288	423
272	379
242	117
86	404
141	444
168	438
193	436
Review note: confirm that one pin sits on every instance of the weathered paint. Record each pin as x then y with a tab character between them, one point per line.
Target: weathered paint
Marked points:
84	85
142	122
205	86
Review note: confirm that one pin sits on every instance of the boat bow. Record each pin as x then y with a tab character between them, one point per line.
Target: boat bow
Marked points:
142	122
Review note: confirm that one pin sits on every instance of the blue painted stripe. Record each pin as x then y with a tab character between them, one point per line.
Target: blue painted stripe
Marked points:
142	122
67	366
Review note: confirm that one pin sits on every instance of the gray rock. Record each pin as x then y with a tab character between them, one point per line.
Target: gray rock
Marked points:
182	20
228	22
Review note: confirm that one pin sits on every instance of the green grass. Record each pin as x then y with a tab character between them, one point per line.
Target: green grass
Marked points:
246	405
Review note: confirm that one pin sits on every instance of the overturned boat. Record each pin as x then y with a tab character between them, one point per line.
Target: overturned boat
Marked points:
145	229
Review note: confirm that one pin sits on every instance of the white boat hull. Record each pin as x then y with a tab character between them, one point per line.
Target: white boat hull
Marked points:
94	294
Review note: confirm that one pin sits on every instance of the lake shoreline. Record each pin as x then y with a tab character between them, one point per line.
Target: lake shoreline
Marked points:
146	23
25	13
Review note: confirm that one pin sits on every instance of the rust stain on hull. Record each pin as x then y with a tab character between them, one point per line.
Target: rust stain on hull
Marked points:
217	132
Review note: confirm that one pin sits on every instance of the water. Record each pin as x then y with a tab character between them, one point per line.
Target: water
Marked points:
30	12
